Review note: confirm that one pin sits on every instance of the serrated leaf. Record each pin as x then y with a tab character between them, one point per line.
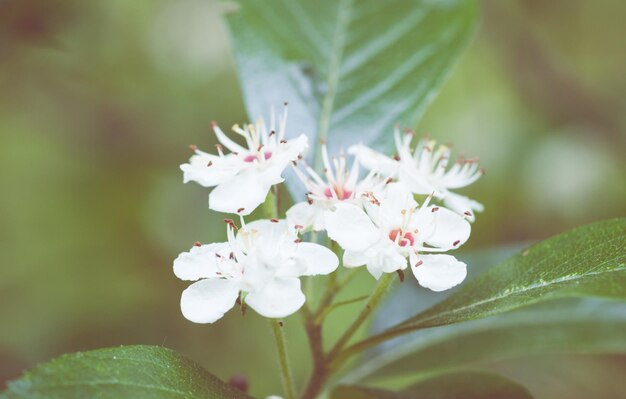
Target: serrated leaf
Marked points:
349	69
467	385
568	326
586	261
125	372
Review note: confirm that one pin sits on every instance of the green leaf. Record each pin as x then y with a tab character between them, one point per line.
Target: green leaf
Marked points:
468	385
124	372
586	261
349	69
575	325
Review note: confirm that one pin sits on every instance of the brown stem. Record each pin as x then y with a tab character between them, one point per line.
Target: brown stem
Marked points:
319	374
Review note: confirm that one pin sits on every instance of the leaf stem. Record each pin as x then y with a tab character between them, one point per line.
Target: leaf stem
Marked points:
289	386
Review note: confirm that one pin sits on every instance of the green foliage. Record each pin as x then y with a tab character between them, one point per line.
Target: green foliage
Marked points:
468	384
581	326
125	372
586	261
351	69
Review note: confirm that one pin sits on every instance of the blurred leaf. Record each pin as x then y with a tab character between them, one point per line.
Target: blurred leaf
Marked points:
351	69
586	261
124	372
581	326
468	385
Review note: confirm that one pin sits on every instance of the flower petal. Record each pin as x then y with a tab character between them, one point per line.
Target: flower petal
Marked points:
350	226
247	190
448	229
374	160
207	300
438	272
316	258
200	262
462	205
280	297
221	169
306	215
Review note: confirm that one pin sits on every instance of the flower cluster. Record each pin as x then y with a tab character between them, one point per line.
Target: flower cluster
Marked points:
374	216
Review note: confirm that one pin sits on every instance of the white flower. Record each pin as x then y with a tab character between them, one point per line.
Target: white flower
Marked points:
341	185
424	171
263	263
244	177
398	228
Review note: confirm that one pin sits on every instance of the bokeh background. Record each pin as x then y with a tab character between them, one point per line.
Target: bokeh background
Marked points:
100	100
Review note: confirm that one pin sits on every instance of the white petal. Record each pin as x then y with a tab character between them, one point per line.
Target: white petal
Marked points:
350	226
317	258
206	301
268	235
395	199
200	262
448	229
354	258
439	272
387	259
246	190
279	298
462	205
221	169
306	215
410	176
374	160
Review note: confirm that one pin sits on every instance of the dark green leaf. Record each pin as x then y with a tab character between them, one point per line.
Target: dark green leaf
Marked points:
125	372
580	326
467	385
586	261
349	68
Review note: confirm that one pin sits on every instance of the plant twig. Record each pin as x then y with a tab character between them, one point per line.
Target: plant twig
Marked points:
378	294
289	386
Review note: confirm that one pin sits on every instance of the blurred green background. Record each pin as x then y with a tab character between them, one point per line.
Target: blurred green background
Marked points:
100	100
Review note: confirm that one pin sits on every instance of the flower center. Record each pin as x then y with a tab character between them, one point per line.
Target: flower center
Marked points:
403	239
341	193
251	157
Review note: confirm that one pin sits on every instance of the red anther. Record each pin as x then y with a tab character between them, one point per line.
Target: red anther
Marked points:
454	244
197	244
274	220
231	223
419	263
240	210
467	213
283	141
232	256
285	103
298	227
272	133
297	240
310	201
259	147
396	157
193	147
210	163
435	209
401	275
300	156
389	180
